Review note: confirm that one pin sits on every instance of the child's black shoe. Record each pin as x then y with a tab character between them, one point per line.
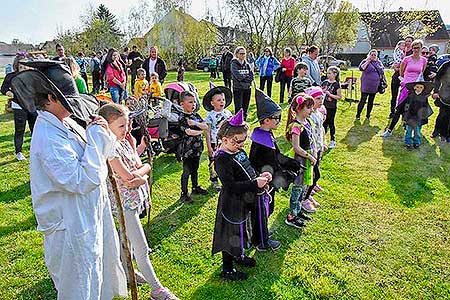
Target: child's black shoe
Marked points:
304	216
246	261
269	245
233	275
186	198
416	146
199	191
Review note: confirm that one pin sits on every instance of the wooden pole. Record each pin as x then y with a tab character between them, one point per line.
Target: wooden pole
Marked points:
148	142
123	235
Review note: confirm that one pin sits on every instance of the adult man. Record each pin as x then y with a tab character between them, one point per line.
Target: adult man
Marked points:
68	185
94	64
225	62
154	64
313	66
60	55
395	82
135	60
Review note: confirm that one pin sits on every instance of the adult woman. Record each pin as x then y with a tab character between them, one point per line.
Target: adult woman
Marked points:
115	75
372	71
411	69
21	116
266	64
242	76
287	67
310	59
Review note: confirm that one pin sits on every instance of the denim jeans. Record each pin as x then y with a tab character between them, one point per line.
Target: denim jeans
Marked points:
413	135
117	94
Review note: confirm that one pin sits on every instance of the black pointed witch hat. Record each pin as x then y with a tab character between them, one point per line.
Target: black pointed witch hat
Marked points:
214	90
265	106
52	77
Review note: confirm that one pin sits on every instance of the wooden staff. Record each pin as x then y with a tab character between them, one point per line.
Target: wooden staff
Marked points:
123	235
148	143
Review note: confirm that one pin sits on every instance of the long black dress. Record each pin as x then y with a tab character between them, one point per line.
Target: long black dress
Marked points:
238	194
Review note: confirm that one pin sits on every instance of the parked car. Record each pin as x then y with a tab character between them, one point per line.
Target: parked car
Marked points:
203	64
328	60
442	59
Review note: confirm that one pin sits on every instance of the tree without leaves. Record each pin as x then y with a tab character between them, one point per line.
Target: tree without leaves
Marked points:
163	7
139	20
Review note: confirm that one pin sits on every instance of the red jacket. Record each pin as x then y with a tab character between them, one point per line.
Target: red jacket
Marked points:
289	64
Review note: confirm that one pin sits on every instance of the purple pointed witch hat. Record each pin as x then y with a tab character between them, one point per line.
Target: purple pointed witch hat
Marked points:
238	119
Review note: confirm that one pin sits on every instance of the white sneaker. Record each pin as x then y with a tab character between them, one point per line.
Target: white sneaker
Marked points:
20	156
332	144
386	134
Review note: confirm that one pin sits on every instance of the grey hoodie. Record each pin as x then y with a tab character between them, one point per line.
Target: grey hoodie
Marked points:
313	69
242	74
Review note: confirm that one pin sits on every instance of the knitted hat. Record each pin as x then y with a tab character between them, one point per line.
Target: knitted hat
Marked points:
314	91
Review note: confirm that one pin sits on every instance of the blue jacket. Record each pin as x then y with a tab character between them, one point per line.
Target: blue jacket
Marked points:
272	65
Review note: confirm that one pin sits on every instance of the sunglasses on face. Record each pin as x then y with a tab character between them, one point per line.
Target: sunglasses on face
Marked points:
242	53
425	52
416	48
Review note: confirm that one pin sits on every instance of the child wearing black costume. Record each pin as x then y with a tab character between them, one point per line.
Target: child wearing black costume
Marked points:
266	156
240	185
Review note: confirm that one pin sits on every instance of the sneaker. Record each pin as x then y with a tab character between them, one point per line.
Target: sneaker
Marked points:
314	202
246	261
357	119
294	222
20	156
304	216
163	294
186	198
416	146
308	206
233	275
408	147
199	191
332	145
318	188
270	233
270	245
386	134
368	118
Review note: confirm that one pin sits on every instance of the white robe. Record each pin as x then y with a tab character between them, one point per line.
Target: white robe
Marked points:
67	175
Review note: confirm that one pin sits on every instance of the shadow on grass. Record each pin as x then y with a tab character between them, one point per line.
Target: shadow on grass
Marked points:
29	223
268	270
42	289
358	134
412	171
16	193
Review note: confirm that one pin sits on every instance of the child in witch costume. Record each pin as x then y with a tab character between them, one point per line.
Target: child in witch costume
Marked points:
266	156
417	111
193	126
240	185
215	102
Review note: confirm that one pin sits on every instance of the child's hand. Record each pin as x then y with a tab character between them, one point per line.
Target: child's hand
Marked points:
261	181
267	175
435	96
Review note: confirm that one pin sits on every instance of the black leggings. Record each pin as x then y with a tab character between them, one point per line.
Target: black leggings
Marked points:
190	167
227	261
242	100
286	82
442	126
396	116
21	117
362	102
395	86
329	122
263	80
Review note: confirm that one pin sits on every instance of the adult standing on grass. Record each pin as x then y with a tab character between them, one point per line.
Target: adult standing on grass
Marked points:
68	185
225	63
94	64
266	64
395	81
411	70
287	67
135	59
372	72
115	75
21	116
155	64
243	77
313	66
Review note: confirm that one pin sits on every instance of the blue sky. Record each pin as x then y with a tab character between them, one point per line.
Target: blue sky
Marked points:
37	20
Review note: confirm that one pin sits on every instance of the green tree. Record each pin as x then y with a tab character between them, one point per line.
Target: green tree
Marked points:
109	18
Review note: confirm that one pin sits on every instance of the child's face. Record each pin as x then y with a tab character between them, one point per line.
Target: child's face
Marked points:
218	102
119	127
188	104
302	72
272	122
153	79
402	46
331	75
304	112
318	101
141	76
418	89
234	143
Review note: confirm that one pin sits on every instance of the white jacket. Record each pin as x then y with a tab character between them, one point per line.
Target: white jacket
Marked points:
67	175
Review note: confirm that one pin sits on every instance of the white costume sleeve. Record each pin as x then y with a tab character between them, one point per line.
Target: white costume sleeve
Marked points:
79	174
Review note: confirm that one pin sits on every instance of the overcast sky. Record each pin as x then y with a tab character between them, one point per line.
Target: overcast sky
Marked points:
36	21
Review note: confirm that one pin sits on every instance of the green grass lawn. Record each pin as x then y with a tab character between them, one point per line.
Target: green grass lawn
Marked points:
382	231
